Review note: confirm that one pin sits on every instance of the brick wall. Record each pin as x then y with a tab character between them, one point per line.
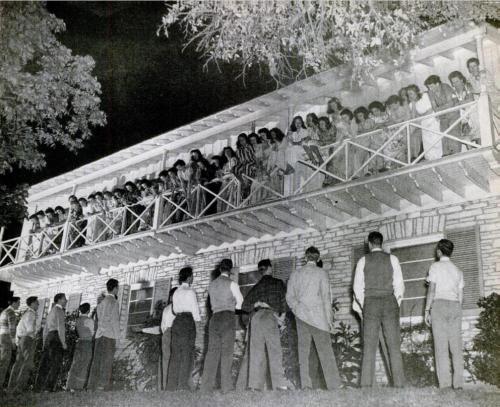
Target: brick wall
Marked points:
336	246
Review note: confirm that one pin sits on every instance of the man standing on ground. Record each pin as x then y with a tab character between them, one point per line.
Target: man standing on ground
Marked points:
8	324
378	290
107	334
266	302
186	311
443	311
225	298
309	297
54	345
25	340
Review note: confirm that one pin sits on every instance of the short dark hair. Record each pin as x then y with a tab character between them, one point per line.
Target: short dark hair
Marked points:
278	133
163	173
312	250
226	265
266	131
49	210
471	60
185	273
325	120
31	300
393	100
336	101
180	162
84	308
446	246
361	110
13	300
348	113
264	263
376	238
58	297
376	105
432	79
415	89
111	284
457	74
59	208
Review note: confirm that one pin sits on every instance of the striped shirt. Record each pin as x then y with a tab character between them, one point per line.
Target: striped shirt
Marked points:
8	322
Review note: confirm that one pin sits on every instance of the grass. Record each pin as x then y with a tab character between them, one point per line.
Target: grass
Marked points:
379	397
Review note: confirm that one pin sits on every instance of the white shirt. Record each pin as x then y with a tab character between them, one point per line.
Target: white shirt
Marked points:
184	300
27	324
167	318
359	282
448	278
235	290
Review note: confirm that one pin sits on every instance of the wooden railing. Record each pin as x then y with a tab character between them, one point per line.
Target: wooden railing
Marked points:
154	213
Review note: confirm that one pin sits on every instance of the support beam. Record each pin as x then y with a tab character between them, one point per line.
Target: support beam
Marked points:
239	228
228	234
326	206
424	184
475	176
384	194
344	202
402	186
270	219
209	234
449	182
254	229
284	214
366	199
184	242
307	211
251	220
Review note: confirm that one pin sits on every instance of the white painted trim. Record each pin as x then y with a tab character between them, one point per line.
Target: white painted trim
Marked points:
247	268
413	241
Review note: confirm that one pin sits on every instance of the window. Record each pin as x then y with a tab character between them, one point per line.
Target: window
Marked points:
415	262
140	306
247	280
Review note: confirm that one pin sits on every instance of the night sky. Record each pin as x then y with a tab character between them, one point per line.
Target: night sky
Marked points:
149	86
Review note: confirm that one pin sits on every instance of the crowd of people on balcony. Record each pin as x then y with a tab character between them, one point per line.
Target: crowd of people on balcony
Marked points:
269	164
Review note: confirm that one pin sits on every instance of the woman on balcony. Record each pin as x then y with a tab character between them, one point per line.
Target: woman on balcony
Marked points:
277	165
34	243
52	233
230	183
75	215
327	133
100	215
441	97
147	198
132	197
92	213
311	144
397	147
246	164
333	109
208	179
380	119
346	129
364	125
463	93
262	151
197	197
421	105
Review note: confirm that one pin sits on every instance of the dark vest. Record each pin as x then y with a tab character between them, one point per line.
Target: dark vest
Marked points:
221	296
378	274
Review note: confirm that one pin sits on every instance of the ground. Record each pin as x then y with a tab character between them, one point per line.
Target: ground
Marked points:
381	397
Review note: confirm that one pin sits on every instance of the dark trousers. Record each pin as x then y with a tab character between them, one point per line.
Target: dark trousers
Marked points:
182	354
51	362
221	337
5	356
381	312
102	364
21	370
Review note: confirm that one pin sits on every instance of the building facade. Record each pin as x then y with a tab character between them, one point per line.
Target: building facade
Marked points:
414	204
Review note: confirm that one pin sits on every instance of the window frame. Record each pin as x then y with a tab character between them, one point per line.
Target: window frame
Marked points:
136	287
404	243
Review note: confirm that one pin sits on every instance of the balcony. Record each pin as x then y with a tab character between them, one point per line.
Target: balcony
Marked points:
178	224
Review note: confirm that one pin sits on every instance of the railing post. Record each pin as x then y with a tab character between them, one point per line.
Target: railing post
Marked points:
157	215
2	231
64	240
483	105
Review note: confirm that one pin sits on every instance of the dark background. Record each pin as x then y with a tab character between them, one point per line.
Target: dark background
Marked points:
149	85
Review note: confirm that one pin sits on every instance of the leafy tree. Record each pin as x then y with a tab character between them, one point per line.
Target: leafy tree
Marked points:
295	39
48	96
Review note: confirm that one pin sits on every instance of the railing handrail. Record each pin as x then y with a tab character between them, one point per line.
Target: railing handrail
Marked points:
410	121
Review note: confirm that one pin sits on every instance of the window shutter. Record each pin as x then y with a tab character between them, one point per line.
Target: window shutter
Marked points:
162	288
41	313
283	267
123	299
73	302
467	258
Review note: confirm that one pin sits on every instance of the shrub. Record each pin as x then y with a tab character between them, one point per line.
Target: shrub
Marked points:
486	345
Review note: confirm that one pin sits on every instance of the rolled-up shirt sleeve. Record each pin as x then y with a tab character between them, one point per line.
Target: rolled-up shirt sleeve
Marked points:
359	283
235	289
397	279
195	307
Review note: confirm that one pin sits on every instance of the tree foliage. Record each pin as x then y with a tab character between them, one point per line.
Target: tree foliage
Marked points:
48	96
295	39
